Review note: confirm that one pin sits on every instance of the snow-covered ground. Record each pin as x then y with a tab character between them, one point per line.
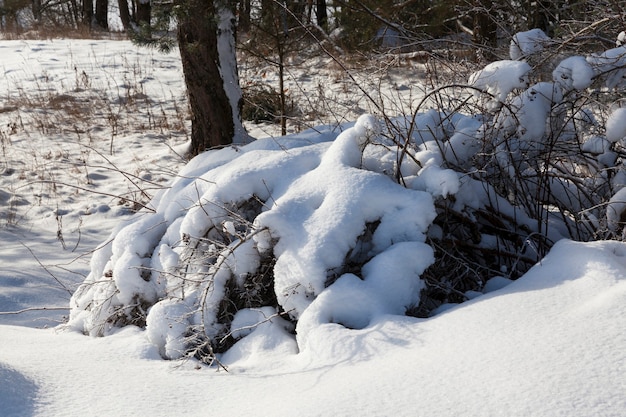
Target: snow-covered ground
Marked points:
86	125
89	130
550	344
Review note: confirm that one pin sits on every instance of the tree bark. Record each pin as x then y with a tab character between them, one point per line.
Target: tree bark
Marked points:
87	14
545	15
321	13
144	11
124	14
245	7
485	26
102	13
214	112
37	10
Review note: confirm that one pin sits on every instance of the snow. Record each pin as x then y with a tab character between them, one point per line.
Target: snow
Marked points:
616	126
527	114
573	73
317	202
527	43
499	79
611	65
550	343
228	68
506	353
615	210
166	326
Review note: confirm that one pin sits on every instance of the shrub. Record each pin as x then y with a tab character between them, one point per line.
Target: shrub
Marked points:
394	215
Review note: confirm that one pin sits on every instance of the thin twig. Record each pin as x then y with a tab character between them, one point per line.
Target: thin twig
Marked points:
26	310
46	269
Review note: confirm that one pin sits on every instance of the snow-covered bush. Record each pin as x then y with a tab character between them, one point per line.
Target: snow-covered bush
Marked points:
499	79
528	43
387	215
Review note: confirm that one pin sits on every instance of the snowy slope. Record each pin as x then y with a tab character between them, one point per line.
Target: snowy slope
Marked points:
550	344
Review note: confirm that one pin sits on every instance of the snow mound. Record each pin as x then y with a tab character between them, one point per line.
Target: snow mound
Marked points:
259	247
511	349
391	284
305	220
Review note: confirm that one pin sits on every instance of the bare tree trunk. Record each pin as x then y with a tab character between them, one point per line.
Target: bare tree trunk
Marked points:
297	8
321	13
545	15
102	13
245	7
281	86
124	14
37	10
214	110
144	11
75	13
485	26
87	15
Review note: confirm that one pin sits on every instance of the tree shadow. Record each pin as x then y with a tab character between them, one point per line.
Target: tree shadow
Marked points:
17	393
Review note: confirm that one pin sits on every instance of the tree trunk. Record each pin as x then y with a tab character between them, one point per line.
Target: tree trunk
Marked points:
102	13
545	16
281	86
321	13
87	14
485	26
72	16
267	12
124	14
297	11
144	11
37	10
245	7
206	42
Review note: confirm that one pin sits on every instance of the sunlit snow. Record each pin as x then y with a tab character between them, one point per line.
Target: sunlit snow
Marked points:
550	343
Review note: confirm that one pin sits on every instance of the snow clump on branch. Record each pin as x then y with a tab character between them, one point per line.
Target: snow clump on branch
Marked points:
573	73
527	43
616	126
499	79
610	64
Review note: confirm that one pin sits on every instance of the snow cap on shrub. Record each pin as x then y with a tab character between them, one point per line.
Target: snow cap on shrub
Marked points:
499	79
391	284
348	148
616	125
611	65
367	127
166	327
527	114
573	73
320	216
527	43
616	211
